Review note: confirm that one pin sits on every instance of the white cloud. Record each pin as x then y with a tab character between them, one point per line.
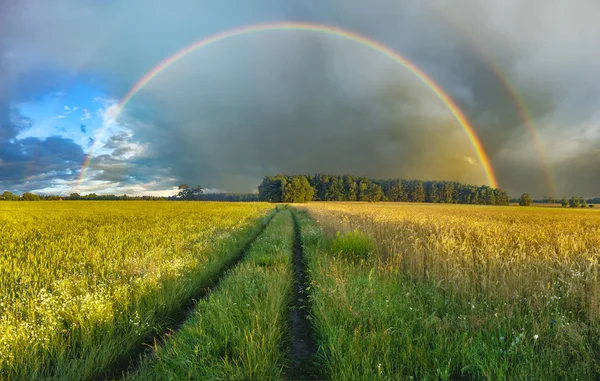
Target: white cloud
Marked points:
60	117
86	114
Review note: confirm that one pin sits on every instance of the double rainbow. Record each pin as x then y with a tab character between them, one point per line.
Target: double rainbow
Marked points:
330	30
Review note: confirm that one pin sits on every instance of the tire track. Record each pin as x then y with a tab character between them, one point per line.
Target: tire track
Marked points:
303	346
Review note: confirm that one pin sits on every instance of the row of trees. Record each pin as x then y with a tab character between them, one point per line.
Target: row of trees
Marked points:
187	193
8	196
324	187
573	202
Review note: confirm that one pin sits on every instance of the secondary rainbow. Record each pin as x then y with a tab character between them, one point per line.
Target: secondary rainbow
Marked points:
524	114
330	30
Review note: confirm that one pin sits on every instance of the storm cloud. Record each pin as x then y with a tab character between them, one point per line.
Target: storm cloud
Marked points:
303	102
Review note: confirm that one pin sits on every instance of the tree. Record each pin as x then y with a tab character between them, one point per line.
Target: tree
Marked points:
297	189
30	197
583	203
74	196
591	205
187	193
271	188
564	202
525	199
8	196
574	202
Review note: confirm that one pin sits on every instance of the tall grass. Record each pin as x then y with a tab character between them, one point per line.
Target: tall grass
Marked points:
82	283
240	331
456	292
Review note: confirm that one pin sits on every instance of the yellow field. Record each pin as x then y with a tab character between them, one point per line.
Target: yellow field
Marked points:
68	268
505	252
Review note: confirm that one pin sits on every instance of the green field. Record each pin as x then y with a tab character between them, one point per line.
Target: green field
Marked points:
200	290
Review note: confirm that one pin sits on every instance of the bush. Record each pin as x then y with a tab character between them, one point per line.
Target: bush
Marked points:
353	246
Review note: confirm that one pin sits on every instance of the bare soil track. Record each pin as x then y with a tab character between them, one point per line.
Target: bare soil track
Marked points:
303	348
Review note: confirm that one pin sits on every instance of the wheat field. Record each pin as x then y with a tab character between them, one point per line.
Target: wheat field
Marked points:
455	291
82	282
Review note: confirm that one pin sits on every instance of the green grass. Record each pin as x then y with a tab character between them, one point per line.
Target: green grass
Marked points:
240	331
353	246
375	323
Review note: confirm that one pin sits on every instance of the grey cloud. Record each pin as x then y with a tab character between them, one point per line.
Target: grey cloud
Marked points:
298	102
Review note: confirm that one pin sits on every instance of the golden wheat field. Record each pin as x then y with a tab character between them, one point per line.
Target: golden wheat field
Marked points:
443	292
506	252
73	272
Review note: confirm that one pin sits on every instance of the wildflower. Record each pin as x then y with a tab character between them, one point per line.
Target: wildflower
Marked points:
535	337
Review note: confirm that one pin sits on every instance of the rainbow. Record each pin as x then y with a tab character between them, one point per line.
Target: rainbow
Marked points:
518	102
330	30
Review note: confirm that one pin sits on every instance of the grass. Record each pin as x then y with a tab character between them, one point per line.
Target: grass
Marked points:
424	309
240	332
84	283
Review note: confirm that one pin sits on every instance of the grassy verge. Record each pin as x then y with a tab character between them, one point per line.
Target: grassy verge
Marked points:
374	322
239	331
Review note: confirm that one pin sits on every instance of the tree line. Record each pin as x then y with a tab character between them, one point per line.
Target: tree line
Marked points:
28	196
573	202
185	196
325	187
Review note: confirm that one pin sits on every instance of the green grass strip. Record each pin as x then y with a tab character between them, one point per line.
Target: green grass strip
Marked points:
376	324
239	332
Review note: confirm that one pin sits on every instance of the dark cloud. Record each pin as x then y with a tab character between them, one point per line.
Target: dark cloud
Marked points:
47	159
302	102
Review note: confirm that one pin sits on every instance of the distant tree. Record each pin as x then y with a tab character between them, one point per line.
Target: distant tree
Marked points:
525	199
417	191
74	196
583	203
591	205
350	188
30	197
271	188
187	193
374	193
574	202
8	196
564	202
297	189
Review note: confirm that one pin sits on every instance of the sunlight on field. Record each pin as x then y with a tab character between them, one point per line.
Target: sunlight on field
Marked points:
69	269
503	251
455	291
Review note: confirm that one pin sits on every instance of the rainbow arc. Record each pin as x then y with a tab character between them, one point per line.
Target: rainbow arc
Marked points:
329	30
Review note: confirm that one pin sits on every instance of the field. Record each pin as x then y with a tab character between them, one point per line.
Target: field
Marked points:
455	292
324	290
83	282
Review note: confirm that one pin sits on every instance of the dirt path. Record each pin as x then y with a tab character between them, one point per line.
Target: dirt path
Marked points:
130	363
303	345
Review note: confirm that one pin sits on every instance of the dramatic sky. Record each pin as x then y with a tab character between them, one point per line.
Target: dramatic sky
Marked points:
292	102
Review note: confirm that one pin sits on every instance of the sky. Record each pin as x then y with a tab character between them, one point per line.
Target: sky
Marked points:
297	102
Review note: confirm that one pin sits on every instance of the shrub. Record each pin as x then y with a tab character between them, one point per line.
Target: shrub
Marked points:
353	245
